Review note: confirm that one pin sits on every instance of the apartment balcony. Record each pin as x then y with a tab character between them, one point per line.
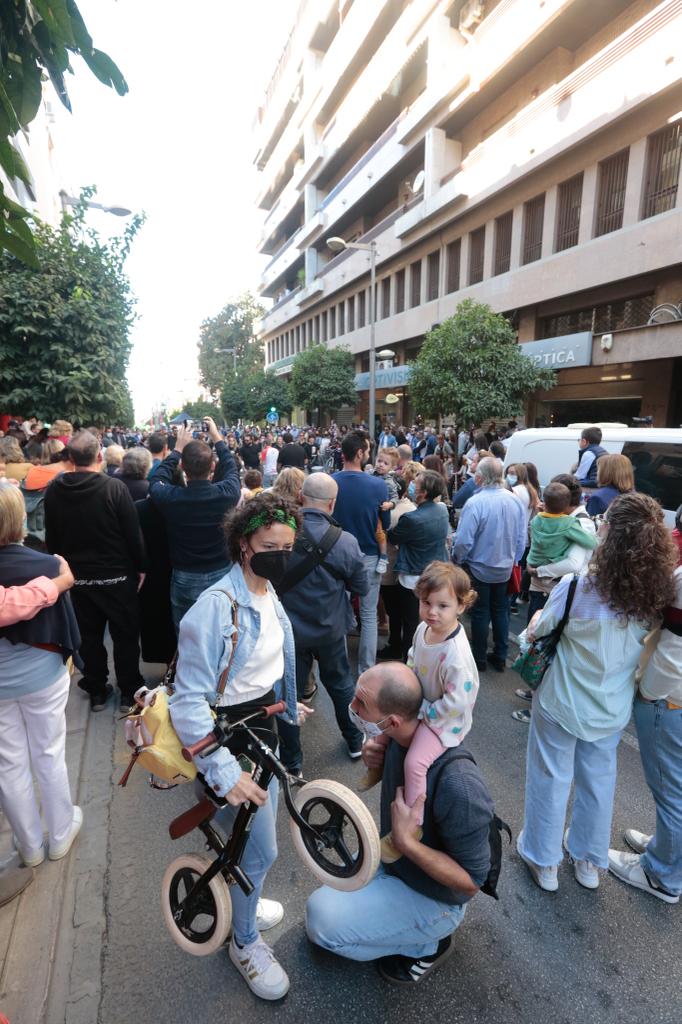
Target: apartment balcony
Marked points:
282	261
603	89
288	199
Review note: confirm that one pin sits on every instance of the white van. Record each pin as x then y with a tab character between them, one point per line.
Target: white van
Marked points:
655	453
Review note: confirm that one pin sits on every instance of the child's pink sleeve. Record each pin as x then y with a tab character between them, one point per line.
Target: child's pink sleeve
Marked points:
20	603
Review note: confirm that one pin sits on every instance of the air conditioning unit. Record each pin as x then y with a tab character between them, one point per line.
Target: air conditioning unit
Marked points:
471	15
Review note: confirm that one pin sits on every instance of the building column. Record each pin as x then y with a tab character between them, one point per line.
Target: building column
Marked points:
441	156
516	235
588	205
549	221
311	264
488	249
635	182
311	201
464	261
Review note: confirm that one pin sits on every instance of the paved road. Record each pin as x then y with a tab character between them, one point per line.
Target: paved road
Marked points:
574	956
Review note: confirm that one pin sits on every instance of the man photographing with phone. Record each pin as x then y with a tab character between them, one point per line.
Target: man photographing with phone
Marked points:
194	514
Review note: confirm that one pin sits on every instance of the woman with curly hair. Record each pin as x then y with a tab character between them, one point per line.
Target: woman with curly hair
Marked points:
585	699
260	537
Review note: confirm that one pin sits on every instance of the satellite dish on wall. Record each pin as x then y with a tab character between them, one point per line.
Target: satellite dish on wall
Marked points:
418	183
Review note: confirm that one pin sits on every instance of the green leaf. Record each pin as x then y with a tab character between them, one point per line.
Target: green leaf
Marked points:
18	247
12	162
103	67
57	19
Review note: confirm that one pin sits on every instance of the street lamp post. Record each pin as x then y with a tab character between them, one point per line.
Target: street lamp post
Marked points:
67	200
229	351
338	245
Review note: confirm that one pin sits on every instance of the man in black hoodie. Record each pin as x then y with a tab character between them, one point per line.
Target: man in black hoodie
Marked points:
92	517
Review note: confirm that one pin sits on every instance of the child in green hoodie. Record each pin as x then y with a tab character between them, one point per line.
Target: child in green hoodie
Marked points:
553	531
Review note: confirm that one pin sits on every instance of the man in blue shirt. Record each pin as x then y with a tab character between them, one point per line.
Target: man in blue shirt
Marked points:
490	538
358	510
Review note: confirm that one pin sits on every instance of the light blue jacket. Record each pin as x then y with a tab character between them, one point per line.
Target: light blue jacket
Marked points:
204	648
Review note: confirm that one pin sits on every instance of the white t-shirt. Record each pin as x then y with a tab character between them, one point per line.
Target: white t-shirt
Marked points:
266	665
270	457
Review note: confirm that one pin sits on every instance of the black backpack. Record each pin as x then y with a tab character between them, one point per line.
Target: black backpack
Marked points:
497	826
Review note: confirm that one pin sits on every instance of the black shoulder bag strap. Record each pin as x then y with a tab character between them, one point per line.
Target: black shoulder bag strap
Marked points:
567	610
315	555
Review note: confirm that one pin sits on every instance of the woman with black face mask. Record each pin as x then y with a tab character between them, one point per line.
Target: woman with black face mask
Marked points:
260	536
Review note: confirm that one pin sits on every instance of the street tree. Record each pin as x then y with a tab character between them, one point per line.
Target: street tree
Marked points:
198	410
37	40
471	367
266	391
323	379
232	328
65	325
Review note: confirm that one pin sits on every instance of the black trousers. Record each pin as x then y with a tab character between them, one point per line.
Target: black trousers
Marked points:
409	616
390	595
117	605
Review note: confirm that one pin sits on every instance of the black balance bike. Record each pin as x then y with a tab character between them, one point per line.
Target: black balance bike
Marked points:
333	832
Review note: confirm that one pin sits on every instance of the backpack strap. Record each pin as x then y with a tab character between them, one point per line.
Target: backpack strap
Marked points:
235	636
315	554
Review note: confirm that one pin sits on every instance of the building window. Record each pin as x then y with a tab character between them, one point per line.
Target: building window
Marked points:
433	274
619	315
340	327
362	298
613	175
452	257
323	326
316	330
476	251
385	298
533	216
400	291
664	150
415	283
331	325
503	237
350	315
569	201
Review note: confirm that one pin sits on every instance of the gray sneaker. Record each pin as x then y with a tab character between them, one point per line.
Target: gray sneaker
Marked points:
628	867
637	841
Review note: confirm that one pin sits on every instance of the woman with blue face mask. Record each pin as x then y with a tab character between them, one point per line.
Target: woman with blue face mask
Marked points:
260	537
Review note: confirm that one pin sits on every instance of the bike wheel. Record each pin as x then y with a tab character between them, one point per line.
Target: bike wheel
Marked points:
203	929
347	855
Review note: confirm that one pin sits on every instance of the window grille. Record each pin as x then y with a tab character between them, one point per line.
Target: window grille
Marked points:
604	318
453	253
415	283
569	200
385	298
476	250
533	216
613	174
503	237
400	291
433	268
664	150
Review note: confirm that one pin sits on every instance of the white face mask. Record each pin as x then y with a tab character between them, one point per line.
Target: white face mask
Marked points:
513	479
369	729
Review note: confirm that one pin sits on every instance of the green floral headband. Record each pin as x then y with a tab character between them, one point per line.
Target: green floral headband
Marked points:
265	517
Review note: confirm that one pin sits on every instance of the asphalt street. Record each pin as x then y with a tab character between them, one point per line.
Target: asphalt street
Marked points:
575	956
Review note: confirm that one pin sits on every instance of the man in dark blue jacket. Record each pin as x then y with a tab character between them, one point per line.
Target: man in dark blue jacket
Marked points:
320	613
194	514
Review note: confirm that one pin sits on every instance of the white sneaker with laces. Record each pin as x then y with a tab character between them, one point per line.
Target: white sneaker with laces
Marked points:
61	850
546	878
268	914
584	870
628	867
637	841
260	969
31	860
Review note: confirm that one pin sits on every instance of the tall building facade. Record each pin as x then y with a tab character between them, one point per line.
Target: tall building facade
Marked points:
549	135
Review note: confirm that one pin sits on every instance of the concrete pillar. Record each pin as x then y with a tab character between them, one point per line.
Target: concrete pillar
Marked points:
446	52
588	207
488	250
311	201
516	237
441	156
549	221
635	182
311	264
464	261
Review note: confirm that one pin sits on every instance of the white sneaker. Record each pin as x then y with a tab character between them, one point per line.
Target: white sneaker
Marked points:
584	870
61	850
546	878
628	867
31	860
260	969
637	841
268	914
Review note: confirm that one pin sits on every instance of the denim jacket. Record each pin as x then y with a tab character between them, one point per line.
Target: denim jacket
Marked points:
204	648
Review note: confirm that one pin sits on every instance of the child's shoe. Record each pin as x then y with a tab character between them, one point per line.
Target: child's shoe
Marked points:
382	565
370	779
389	854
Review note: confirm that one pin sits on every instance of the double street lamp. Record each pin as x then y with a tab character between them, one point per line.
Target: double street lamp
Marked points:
338	245
67	200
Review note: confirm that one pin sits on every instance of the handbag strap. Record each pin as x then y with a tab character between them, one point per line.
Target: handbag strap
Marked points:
567	610
235	636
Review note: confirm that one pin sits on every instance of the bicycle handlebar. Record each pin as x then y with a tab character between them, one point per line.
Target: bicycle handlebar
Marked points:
213	739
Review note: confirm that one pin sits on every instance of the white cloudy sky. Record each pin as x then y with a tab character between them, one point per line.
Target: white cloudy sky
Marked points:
179	147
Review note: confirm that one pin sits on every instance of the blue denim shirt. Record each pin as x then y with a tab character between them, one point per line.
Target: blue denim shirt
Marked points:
204	647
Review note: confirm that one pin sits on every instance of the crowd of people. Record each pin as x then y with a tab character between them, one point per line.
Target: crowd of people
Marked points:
255	554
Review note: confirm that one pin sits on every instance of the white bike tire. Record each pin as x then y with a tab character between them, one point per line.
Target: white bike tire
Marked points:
218	888
363	822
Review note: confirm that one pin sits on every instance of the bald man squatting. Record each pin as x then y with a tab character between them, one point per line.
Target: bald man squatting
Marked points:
321	615
404	919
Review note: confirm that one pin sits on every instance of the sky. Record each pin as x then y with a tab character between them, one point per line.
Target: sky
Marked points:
180	147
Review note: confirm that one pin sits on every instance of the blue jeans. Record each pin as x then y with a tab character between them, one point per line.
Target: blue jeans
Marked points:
367	648
659	730
335	676
555	759
260	854
536	600
492	605
384	918
186	587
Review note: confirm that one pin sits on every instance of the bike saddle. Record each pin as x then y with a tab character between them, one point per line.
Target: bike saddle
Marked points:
191	819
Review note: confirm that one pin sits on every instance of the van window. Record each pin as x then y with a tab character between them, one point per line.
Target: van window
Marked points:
658	470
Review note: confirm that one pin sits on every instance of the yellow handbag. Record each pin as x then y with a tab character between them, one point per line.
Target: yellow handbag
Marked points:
149	728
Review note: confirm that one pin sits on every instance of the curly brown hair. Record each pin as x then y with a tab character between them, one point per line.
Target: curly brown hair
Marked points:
268	504
632	568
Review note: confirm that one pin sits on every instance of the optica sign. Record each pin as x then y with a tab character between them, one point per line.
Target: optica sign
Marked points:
560	353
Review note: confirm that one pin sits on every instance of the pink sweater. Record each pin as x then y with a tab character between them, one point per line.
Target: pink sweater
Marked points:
19	603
